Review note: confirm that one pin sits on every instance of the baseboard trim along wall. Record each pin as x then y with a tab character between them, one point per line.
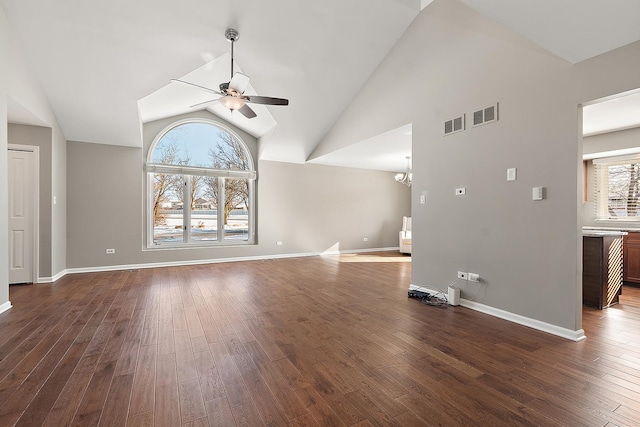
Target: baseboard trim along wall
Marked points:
211	261
515	318
6	306
58	276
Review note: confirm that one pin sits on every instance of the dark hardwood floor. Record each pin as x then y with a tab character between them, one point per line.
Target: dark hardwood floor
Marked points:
328	341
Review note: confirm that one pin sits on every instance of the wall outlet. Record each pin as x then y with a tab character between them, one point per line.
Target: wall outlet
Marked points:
462	275
461	191
511	174
278	243
366	239
111	251
473	277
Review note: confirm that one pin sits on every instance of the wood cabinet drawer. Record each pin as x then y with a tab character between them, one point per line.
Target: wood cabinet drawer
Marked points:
632	237
631	251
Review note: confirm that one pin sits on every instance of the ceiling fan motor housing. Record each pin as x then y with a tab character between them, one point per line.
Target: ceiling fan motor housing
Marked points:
232	35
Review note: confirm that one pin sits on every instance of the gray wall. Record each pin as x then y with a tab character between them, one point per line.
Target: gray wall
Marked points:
4	183
310	208
611	141
39	137
454	61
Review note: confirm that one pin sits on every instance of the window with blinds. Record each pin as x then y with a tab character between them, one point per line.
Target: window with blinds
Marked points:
617	188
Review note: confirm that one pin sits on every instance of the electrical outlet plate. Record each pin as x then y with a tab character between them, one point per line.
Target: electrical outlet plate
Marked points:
511	174
423	198
111	251
461	191
462	275
473	277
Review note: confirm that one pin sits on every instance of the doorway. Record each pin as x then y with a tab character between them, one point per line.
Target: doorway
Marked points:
23	166
610	202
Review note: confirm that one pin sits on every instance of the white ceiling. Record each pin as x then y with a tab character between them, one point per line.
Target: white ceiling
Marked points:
96	60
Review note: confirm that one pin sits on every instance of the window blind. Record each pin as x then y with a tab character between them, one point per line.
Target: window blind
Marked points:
617	188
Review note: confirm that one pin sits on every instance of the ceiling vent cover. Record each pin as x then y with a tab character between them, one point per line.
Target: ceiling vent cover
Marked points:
486	115
454	125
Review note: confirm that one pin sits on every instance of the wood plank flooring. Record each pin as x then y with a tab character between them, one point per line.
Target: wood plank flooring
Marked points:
318	341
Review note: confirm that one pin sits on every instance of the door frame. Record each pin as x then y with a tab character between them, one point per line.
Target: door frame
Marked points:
36	204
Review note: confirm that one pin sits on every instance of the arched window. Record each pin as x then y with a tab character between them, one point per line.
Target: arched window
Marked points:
200	187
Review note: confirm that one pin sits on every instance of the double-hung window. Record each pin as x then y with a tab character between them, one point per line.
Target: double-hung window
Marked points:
617	188
200	187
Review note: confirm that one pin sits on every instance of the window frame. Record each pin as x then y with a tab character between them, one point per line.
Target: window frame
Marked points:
186	172
601	187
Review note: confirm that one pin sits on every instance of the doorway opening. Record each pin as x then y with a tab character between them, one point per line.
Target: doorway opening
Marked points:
611	195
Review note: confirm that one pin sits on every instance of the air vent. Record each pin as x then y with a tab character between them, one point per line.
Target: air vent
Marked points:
454	125
486	115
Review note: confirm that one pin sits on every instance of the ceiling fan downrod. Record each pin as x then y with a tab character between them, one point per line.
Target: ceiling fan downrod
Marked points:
232	36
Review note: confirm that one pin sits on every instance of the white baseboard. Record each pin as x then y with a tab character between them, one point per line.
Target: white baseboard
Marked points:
58	276
6	306
215	261
515	318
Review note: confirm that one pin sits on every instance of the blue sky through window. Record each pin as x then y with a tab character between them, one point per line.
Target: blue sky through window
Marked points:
192	140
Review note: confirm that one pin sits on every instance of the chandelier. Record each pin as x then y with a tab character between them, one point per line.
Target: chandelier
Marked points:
405	178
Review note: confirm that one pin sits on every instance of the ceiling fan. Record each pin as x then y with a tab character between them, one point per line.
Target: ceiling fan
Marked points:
232	93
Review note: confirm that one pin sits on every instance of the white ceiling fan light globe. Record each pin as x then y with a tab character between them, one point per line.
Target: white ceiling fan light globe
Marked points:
231	102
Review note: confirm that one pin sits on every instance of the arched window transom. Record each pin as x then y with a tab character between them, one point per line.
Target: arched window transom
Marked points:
200	188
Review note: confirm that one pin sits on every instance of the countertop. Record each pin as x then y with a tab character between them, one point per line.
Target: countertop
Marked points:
602	233
627	229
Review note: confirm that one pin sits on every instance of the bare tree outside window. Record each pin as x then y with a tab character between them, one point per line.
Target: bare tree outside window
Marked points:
163	184
623	190
229	154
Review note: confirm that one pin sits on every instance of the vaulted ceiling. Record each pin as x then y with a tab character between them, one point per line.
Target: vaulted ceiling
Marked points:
105	66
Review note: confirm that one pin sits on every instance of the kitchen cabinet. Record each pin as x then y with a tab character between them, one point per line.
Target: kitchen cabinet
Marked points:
632	258
602	265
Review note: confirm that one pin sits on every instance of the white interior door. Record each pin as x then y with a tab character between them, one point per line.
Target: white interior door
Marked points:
21	216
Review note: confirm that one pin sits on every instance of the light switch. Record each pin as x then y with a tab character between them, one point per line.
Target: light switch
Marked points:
511	174
537	193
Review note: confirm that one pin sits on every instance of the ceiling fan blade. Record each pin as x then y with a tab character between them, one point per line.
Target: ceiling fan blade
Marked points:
239	83
247	112
266	100
211	101
195	85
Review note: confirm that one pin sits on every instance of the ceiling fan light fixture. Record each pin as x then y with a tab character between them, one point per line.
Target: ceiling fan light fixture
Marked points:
231	102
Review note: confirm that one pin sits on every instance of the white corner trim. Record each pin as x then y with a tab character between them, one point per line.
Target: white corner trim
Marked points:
214	261
56	277
515	318
6	306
